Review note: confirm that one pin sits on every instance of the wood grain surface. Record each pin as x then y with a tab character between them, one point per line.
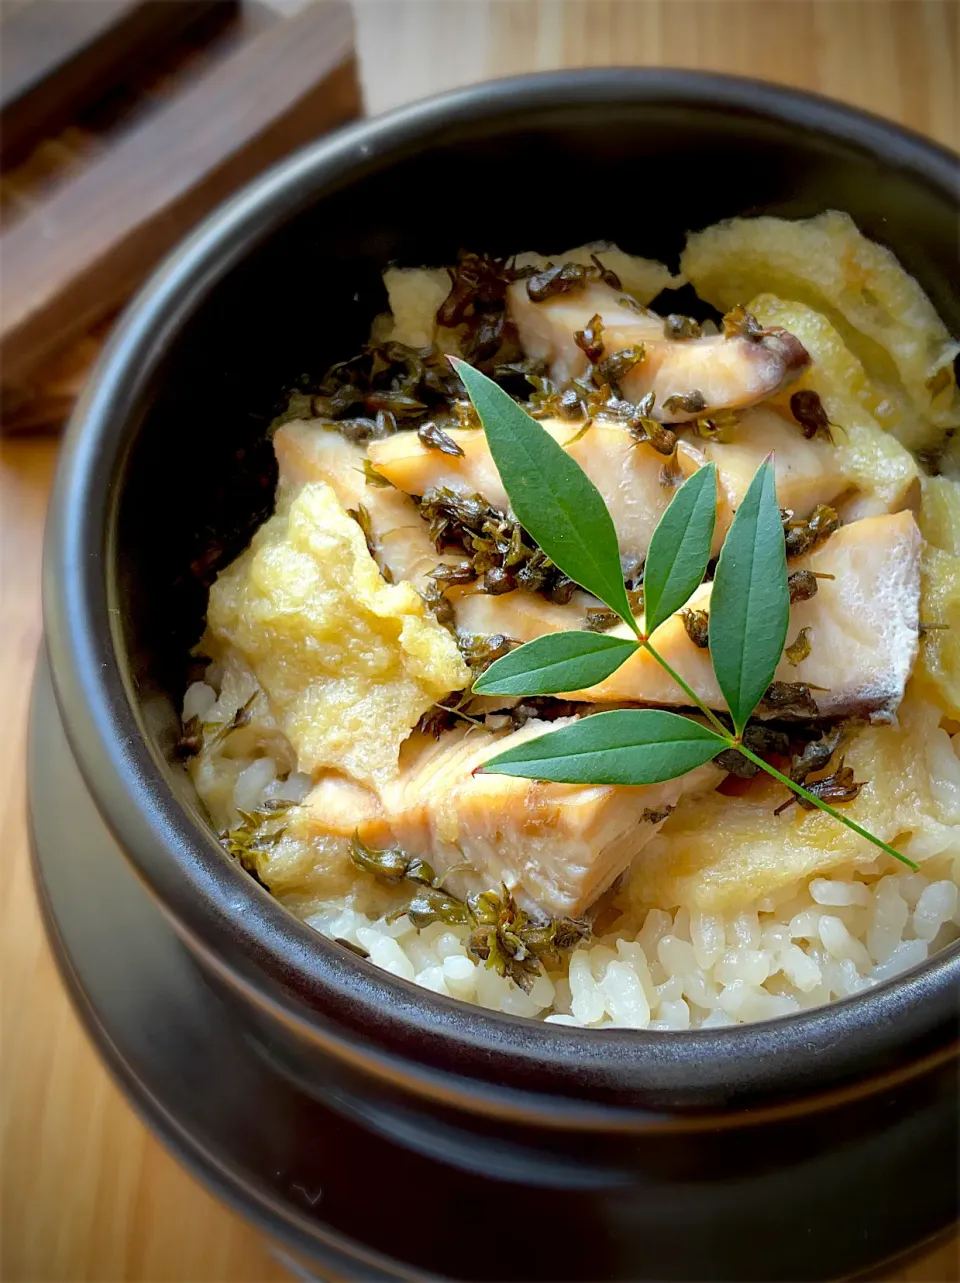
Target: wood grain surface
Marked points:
56	59
103	232
88	1195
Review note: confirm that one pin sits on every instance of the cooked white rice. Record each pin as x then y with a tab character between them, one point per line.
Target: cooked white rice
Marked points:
660	968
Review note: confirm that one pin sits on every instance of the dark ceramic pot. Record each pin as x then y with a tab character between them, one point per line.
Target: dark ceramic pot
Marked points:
378	1129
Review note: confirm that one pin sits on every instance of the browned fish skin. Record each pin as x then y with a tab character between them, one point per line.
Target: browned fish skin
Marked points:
712	373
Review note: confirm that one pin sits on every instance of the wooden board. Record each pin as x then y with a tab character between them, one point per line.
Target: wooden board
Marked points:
89	1196
56	59
76	257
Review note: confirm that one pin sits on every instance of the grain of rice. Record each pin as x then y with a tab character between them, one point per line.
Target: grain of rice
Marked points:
699	988
676	956
489	988
460	977
252	783
674	1015
805	925
198	700
587	1002
432	978
419	953
671	990
399	928
624	997
562	997
656	924
448	946
907	954
746	930
912	886
750	965
799	968
834	891
601	955
774	936
888	919
458	968
937	905
716	1020
706	932
517	1003
385	953
838	942
681	923
543	992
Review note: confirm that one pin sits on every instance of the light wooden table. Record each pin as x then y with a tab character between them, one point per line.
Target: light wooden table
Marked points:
88	1194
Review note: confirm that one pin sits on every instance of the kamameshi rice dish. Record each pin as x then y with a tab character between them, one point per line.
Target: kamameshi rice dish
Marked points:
334	738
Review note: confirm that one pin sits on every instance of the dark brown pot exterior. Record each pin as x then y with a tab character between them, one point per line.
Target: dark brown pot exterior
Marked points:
804	1147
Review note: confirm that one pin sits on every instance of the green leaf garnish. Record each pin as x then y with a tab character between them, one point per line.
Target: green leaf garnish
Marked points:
556	663
551	495
562	510
680	548
750	604
626	746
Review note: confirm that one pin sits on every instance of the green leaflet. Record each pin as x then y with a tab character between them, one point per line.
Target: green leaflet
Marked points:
680	548
555	663
549	492
627	746
750	604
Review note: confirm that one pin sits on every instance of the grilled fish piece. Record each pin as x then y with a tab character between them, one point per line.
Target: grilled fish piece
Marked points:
558	846
862	627
718	372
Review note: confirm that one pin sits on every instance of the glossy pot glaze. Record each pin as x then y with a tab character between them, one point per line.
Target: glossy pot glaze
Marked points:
811	1146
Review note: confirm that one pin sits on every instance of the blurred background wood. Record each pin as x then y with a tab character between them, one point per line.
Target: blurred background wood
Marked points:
89	1196
895	57
56	59
79	254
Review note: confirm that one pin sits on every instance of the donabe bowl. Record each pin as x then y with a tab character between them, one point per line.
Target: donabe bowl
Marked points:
491	1147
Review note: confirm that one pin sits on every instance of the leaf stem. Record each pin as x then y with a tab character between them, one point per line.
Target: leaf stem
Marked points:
690	693
811	797
694	698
